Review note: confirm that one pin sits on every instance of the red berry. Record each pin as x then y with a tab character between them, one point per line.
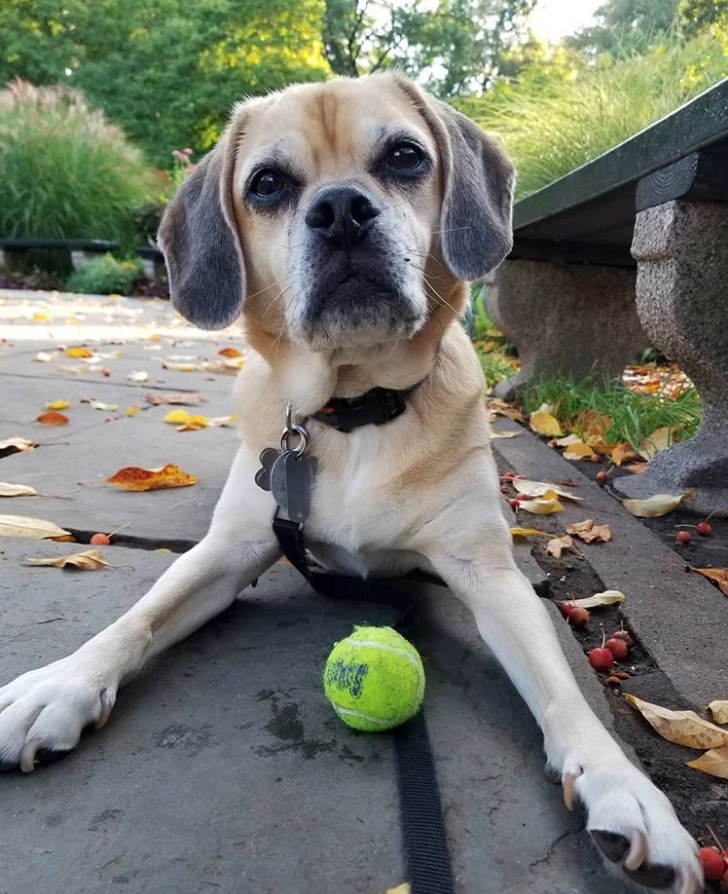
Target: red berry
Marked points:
602	475
566	608
618	648
713	865
624	636
600	659
578	617
594	458
683	537
100	540
704	528
514	504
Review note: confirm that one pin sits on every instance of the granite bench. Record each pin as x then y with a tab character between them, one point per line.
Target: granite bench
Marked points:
628	250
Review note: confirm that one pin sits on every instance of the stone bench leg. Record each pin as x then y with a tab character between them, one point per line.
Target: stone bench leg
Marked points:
682	298
573	320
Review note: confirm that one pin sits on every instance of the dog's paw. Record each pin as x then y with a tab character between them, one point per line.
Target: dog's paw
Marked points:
44	712
634	826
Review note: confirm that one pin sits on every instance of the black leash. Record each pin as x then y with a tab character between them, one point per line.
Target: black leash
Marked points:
429	866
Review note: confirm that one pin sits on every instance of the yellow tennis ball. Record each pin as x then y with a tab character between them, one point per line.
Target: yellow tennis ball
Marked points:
374	679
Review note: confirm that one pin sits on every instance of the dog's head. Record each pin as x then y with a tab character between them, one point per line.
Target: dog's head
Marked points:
344	212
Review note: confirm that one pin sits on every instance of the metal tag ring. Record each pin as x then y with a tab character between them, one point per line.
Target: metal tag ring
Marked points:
285	439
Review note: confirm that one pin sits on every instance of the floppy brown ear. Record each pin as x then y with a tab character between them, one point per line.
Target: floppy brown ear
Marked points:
201	246
478	181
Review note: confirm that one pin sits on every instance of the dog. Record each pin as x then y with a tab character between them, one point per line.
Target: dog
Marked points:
343	221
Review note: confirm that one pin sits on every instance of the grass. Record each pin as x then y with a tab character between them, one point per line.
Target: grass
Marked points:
552	125
630	416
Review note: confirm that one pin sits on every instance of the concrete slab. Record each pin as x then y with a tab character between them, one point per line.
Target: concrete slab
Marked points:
223	766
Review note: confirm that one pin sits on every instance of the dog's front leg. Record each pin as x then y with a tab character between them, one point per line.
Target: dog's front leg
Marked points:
45	710
630	820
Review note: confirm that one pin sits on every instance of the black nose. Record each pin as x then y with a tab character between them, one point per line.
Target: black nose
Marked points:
341	215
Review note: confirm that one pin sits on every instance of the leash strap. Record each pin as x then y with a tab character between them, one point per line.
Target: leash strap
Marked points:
429	865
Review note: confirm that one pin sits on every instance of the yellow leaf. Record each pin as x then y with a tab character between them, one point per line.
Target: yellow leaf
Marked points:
608	597
682	727
78	352
89	560
133	410
17	490
177	417
621	453
400	889
578	451
138	479
504	434
557	545
567	440
590	532
15	445
35	528
51	417
544	505
713	762
719	575
527	532
660	439
719	710
42	316
656	506
180	367
543	423
229	352
58	405
539	488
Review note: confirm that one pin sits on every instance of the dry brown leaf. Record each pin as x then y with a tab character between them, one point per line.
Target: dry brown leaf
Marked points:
546	504
15	445
719	710
527	532
539	488
52	418
138	479
655	506
229	352
682	727
35	528
188	398
635	468
713	762
557	545
621	453
543	423
17	490
589	531
78	352
608	597
501	408
89	560
718	575
578	450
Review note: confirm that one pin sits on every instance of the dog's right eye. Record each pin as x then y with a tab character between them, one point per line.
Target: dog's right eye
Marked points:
268	183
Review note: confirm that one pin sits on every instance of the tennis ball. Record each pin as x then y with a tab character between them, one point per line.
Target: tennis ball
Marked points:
374	679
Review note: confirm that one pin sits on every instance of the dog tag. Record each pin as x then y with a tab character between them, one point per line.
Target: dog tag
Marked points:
267	458
291	483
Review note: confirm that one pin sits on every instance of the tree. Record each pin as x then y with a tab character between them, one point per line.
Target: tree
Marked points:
697	16
624	27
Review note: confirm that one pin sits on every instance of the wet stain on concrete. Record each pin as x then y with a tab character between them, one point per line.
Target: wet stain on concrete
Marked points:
191	739
286	725
102	820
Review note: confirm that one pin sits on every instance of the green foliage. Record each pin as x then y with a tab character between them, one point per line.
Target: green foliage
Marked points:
634	415
551	126
623	27
697	16
104	276
65	172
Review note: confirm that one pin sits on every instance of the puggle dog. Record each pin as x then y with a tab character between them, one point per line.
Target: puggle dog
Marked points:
343	221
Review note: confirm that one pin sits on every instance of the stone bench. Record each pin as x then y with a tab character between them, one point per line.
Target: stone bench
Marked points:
78	251
629	250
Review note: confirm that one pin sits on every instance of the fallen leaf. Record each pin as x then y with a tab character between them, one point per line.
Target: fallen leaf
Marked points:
89	560
42	316
45	356
713	762
52	418
17	490
400	889
543	423
15	445
567	440
501	408
557	545
546	504
608	597
194	423
180	367
660	439
527	532
100	405
138	479
718	575
36	528
539	488
58	405
139	376
78	352
681	727
229	352
505	434
189	398
655	506
621	453
578	450
719	710
589	531
133	410
177	417
228	421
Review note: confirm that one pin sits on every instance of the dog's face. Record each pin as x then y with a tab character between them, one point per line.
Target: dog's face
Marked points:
344	211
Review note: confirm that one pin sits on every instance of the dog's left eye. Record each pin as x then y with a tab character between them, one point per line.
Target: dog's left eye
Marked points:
404	157
268	183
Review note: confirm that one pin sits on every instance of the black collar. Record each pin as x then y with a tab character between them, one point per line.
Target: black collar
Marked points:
374	407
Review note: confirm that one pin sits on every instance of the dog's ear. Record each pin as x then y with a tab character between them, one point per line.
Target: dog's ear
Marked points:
478	181
200	241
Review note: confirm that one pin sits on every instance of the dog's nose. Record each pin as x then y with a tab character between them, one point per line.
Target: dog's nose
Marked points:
341	215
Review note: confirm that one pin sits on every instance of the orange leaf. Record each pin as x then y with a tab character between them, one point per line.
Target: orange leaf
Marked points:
590	532
718	575
52	418
78	352
622	452
136	478
229	352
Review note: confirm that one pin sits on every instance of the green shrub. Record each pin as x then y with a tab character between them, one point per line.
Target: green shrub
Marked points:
65	172
105	275
146	219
